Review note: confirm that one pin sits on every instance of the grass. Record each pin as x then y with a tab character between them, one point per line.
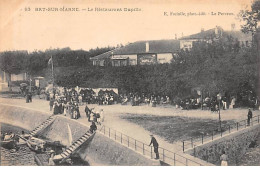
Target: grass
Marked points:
175	128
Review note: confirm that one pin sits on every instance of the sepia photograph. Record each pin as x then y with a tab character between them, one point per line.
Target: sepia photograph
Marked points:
129	83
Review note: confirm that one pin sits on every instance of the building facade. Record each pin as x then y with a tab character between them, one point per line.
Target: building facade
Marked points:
162	51
139	53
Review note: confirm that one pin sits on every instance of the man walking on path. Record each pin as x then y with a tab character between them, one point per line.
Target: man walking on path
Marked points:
155	145
249	116
87	111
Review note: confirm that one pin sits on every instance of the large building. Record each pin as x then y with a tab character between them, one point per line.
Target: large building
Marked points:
162	51
139	53
6	79
215	34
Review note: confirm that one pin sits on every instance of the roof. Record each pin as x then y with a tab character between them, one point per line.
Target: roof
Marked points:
203	34
211	33
239	35
139	47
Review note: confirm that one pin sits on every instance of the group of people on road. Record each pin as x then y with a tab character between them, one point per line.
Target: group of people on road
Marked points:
136	99
93	115
68	102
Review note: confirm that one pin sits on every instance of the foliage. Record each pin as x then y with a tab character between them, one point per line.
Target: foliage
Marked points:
221	66
33	63
251	17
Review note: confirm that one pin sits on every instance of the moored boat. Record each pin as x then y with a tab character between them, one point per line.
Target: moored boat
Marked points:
36	144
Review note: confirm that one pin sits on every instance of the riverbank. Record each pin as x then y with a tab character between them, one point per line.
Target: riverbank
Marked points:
252	156
114	120
22	157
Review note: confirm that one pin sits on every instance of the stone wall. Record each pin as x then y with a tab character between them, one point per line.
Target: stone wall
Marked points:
100	151
234	144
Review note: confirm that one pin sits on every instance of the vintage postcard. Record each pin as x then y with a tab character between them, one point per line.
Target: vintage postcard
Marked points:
129	83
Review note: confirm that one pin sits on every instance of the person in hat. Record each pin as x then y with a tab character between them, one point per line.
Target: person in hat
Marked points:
249	116
93	127
87	111
155	145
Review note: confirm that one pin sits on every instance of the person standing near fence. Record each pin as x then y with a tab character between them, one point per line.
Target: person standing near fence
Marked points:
224	159
155	145
102	117
249	116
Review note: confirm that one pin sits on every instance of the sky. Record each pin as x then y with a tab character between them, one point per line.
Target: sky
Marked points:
40	30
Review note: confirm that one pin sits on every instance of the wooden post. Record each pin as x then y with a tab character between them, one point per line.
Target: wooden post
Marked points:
163	154
174	159
151	152
183	145
128	141
191	142
143	148
135	145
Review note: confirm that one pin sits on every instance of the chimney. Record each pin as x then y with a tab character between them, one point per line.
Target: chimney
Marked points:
233	26
147	47
216	30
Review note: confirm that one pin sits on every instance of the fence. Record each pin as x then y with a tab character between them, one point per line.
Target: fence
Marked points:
8	162
166	156
226	129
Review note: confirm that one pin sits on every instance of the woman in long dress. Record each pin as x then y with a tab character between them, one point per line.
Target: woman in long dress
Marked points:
224	159
233	101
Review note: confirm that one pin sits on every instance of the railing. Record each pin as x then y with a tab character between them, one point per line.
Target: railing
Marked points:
226	129
8	162
146	150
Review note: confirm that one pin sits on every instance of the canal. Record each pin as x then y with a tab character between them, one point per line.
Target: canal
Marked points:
23	156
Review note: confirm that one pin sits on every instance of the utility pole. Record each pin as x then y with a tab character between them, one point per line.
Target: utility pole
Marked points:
30	87
219	118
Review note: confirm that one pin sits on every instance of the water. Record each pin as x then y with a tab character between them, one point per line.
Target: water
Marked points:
252	156
24	156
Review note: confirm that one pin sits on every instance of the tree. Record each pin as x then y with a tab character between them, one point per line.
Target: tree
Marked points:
251	18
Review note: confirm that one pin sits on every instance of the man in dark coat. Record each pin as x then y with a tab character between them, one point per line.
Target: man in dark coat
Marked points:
249	116
93	127
87	111
155	145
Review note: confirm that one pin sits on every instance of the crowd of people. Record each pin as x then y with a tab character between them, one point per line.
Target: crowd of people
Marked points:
73	98
67	102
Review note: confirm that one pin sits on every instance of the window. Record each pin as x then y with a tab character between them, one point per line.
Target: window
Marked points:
116	63
102	63
132	61
123	63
